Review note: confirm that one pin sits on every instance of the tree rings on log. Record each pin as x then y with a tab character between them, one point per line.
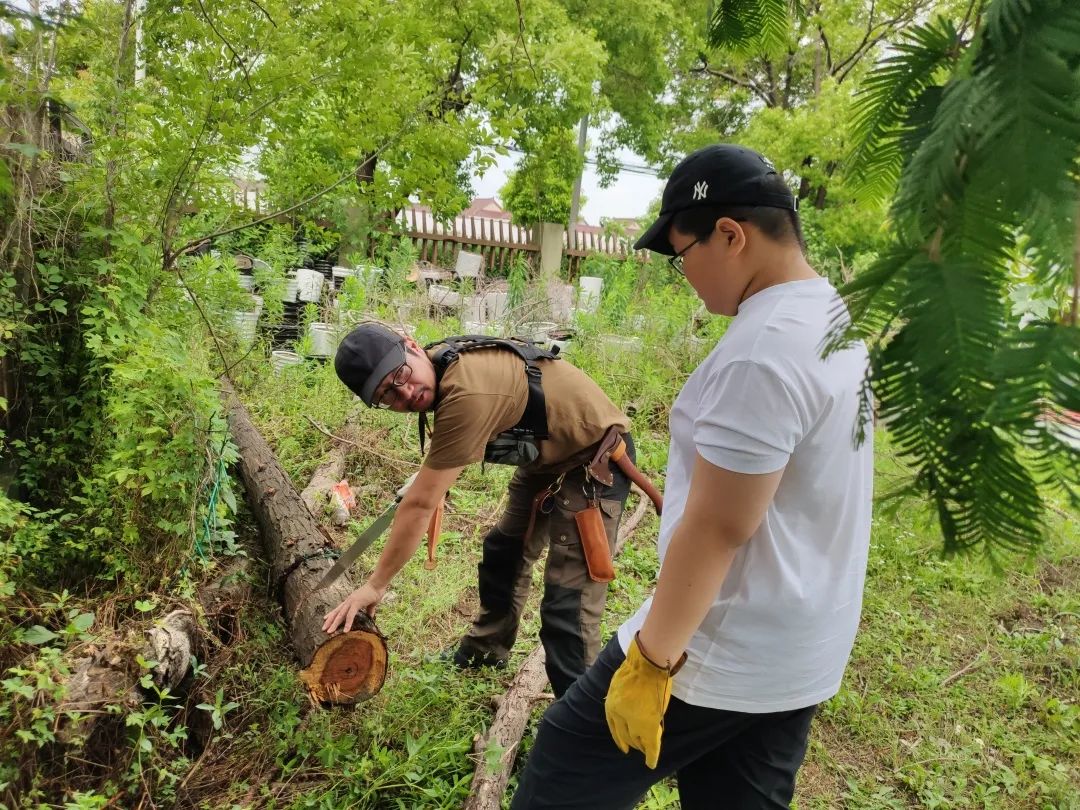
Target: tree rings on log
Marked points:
349	668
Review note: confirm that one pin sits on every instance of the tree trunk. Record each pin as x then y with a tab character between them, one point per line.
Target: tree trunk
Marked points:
503	737
346	668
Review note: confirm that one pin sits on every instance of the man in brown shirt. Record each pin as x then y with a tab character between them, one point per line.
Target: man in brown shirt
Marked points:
480	395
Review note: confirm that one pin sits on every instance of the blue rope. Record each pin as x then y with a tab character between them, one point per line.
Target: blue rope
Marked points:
210	522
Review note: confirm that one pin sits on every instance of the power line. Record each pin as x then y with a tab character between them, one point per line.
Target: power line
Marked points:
629	168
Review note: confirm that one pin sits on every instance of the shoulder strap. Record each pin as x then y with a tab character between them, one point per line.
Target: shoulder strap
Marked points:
534	419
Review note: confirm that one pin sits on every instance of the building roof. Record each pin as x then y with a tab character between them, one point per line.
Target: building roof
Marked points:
486	208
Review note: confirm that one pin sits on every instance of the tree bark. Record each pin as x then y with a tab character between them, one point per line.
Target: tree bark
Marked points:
346	668
497	748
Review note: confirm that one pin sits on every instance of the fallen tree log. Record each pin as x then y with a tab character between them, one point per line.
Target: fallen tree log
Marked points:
496	749
348	667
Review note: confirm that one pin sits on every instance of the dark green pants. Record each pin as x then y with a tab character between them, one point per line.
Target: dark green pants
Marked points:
572	602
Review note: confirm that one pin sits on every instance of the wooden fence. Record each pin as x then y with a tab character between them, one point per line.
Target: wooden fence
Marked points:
498	240
589	242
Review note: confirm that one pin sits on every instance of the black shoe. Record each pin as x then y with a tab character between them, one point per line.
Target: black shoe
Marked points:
463	658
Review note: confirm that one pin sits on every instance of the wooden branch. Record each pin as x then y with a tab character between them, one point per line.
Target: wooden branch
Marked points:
232	50
976	662
328	473
496	749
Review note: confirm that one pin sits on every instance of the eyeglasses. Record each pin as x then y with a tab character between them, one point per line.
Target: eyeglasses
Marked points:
676	261
389	394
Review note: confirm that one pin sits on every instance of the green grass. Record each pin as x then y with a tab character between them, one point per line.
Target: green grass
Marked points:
963	688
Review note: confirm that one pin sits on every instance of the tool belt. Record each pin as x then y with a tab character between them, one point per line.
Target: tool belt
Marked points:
590	522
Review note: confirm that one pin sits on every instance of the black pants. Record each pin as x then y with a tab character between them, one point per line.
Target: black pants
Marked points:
721	759
573	603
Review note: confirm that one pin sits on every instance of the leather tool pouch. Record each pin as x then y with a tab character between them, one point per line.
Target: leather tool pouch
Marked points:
594	543
599	467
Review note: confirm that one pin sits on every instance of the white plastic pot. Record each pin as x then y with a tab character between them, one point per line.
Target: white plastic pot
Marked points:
537	331
589	289
309	284
245	323
288	295
280	360
323	339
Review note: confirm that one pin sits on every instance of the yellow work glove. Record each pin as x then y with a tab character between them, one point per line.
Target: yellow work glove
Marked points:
636	701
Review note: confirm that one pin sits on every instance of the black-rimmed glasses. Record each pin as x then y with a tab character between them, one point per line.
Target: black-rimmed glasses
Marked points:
676	261
401	376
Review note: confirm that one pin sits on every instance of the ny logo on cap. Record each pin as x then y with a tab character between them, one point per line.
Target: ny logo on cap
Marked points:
700	190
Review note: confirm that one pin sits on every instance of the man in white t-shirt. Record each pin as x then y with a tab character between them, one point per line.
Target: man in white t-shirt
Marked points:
764	535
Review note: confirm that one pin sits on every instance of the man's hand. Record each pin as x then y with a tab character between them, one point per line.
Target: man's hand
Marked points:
364	598
636	701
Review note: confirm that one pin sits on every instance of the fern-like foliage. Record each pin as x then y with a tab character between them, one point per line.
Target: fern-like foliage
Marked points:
981	140
894	110
753	26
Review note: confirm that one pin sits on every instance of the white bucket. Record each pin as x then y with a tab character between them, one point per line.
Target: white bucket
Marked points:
246	282
537	331
589	288
288	295
245	323
618	344
495	305
309	284
280	360
323	339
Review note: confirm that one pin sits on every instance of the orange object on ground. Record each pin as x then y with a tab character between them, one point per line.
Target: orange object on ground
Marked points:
433	532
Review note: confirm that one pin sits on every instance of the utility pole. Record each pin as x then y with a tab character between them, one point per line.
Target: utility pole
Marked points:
140	56
575	198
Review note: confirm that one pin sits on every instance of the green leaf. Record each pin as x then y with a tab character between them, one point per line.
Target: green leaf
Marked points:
38	635
83	622
25	149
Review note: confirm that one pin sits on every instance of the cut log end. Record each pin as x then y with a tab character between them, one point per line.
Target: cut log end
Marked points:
347	669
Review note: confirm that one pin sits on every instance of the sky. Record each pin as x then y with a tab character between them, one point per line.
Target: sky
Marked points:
628	197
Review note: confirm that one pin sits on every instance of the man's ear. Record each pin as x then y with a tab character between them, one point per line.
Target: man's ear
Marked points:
412	346
731	232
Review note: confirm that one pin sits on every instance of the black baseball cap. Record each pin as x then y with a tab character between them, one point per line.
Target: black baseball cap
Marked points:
366	355
717	175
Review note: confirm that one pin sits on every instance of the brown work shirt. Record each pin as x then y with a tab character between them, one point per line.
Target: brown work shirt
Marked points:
484	392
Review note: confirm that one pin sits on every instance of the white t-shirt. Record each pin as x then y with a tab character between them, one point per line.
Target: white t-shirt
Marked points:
780	631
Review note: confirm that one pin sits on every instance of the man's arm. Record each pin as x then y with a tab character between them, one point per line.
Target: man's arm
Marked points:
723	510
406	534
